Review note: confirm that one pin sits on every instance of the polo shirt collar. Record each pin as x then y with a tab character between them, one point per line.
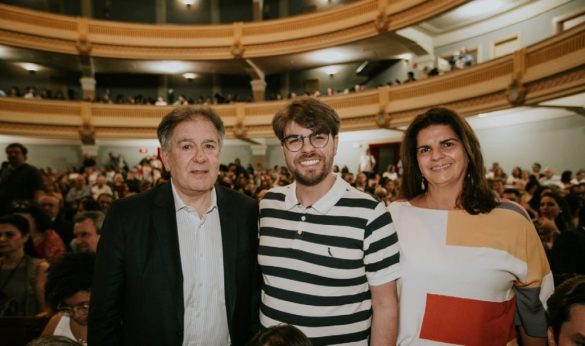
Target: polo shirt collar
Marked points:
325	203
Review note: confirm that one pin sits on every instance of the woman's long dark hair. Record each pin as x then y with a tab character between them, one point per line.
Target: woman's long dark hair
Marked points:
476	196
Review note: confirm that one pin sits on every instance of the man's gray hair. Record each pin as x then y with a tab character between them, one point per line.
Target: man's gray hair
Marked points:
180	114
97	217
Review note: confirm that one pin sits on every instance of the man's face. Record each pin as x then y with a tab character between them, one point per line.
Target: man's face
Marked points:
100	181
573	331
50	206
86	236
309	165
79	181
104	202
193	159
15	156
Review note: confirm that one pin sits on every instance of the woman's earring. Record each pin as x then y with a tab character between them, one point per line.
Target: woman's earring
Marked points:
422	184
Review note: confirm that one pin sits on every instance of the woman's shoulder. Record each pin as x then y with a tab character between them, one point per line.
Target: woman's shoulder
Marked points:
398	205
52	324
517	209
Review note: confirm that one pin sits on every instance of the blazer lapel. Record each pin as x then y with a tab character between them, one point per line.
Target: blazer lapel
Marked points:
165	228
229	241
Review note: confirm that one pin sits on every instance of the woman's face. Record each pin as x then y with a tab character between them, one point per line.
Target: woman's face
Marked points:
11	240
549	208
77	306
441	157
390	186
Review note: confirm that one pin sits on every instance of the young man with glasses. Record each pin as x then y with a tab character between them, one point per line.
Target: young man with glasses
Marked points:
327	254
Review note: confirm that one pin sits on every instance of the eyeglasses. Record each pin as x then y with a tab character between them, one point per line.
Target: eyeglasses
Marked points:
82	308
20	205
295	142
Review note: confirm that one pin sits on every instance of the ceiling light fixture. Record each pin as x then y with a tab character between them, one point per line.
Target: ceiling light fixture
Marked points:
188	3
30	67
331	70
168	67
189	76
406	56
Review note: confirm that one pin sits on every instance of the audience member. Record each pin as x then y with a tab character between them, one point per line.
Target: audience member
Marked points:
100	187
281	335
536	167
568	251
21	277
553	219
410	77
76	193
566	313
46	243
549	178
53	340
462	60
51	207
88	225
68	292
511	195
18	179
367	163
104	200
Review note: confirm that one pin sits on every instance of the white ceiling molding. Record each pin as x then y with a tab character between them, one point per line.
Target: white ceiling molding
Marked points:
498	22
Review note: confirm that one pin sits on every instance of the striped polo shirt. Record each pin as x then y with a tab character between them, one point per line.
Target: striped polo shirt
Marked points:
318	262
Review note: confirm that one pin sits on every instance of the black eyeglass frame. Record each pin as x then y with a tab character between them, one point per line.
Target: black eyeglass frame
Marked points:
76	309
311	137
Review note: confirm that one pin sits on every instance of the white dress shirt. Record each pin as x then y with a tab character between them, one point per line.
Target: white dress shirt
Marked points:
200	244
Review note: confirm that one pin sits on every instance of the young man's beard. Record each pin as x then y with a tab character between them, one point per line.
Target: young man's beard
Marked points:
313	179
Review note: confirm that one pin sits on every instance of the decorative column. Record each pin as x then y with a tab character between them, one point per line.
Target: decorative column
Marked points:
87	88
258	89
257	8
259	155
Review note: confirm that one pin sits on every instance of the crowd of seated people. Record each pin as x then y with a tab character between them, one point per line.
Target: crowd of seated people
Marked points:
67	216
31	92
460	60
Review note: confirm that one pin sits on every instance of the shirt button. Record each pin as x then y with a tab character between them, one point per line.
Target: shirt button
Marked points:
303	218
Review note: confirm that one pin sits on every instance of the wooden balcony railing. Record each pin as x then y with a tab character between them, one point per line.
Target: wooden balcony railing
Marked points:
549	69
75	35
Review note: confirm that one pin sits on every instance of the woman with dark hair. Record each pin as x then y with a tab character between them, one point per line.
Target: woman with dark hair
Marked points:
21	277
554	218
568	252
465	255
47	243
68	292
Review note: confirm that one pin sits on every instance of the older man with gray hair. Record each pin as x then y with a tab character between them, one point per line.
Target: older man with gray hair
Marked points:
87	228
176	265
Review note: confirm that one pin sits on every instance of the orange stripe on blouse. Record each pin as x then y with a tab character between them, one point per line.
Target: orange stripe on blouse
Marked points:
467	321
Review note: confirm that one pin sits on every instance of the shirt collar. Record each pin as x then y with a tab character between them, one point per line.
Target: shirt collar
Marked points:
179	204
325	203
